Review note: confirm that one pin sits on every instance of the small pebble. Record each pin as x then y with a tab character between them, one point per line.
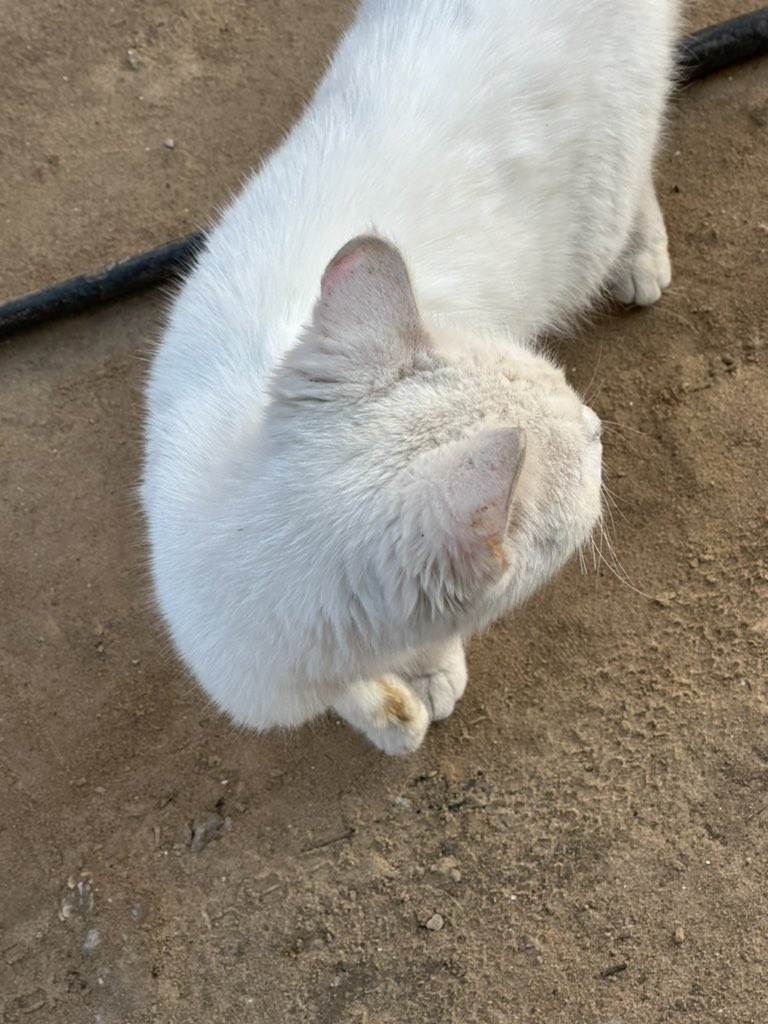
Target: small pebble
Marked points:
435	923
205	827
679	937
133	60
169	143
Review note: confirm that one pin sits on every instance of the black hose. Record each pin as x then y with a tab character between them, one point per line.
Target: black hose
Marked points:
723	45
113	282
699	54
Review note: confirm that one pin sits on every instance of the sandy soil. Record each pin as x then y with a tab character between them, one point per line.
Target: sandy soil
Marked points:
590	826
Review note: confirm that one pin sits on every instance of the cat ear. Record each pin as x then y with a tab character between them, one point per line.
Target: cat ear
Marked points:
466	492
365	330
366	292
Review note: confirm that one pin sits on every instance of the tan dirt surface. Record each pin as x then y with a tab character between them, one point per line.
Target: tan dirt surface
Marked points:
584	841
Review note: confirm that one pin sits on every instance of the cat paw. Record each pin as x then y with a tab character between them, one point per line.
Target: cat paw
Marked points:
440	689
642	277
388	712
643	271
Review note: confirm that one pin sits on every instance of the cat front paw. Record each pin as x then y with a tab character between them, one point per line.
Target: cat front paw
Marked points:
643	270
401	737
641	277
394	710
388	712
440	688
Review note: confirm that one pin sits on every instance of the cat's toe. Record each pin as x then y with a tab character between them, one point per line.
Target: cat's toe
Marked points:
641	281
387	711
440	690
404	720
399	741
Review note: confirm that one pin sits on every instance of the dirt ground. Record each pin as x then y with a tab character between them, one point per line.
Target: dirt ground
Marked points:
584	842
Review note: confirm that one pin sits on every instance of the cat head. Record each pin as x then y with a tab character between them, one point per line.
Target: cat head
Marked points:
441	474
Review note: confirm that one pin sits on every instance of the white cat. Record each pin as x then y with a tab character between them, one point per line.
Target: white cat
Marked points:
345	479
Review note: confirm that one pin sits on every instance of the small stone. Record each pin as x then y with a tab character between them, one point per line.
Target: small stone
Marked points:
445	865
77	900
435	923
679	936
402	803
169	143
133	60
205	828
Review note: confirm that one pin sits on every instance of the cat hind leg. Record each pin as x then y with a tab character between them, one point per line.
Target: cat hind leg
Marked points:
643	270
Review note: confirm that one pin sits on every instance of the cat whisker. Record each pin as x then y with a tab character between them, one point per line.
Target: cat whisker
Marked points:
614	431
611	506
595	559
621	437
625	426
619	498
587	396
582	562
679	317
615	565
613	503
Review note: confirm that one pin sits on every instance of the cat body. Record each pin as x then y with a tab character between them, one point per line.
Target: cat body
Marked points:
355	456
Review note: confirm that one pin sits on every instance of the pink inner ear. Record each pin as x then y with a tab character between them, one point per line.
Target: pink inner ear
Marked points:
366	297
483	480
342	268
366	256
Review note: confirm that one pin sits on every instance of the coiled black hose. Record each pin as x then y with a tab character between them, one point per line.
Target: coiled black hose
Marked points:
699	54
